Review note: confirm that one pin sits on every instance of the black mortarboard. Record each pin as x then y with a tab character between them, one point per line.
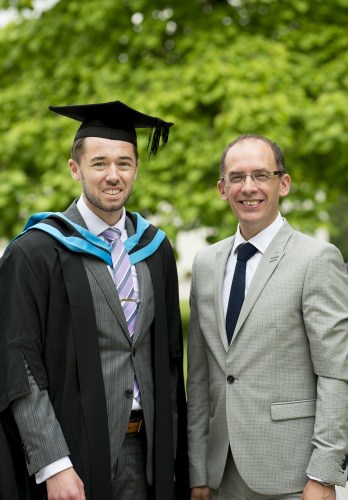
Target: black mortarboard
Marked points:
115	120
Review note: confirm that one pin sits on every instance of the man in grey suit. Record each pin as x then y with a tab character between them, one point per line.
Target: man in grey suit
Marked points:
92	332
267	410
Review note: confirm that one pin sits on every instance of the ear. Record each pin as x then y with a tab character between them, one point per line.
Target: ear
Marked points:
74	170
222	191
285	183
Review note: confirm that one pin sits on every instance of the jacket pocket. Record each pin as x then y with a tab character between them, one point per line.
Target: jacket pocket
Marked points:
293	409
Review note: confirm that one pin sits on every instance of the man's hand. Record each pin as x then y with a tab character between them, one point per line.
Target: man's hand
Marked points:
65	485
200	493
316	491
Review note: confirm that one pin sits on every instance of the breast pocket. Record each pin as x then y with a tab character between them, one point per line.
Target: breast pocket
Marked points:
287	410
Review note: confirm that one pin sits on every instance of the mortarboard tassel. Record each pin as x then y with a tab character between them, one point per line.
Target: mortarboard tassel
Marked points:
156	134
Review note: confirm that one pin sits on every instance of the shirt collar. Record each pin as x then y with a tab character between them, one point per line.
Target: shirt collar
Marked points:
95	224
262	239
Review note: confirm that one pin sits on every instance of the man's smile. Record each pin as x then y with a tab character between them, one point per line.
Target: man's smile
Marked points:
112	191
250	203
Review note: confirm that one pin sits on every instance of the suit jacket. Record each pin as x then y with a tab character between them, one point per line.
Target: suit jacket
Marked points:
278	395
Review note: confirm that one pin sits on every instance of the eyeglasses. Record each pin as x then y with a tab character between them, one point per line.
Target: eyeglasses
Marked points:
259	176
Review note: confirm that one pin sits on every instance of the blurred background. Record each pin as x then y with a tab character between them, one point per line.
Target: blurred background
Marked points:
216	68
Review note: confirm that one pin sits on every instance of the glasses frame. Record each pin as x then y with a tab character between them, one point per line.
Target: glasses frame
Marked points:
271	174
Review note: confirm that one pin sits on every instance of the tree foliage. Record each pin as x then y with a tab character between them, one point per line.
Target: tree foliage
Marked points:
216	68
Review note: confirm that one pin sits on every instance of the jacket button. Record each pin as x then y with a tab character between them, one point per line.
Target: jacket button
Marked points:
230	379
133	351
128	393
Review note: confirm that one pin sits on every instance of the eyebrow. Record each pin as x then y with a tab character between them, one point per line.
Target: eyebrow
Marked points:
256	169
96	158
125	157
99	158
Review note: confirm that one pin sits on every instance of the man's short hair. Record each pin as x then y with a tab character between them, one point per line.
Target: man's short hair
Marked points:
278	155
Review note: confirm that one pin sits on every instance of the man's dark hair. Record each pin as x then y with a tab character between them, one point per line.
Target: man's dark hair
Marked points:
77	149
278	155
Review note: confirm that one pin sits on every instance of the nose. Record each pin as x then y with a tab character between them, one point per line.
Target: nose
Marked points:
112	173
249	184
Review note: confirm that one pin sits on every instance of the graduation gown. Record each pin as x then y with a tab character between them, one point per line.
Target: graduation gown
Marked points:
47	318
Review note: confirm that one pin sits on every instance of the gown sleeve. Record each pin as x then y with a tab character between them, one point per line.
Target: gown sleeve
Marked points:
22	321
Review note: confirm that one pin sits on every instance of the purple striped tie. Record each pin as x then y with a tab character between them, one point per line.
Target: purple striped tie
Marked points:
123	278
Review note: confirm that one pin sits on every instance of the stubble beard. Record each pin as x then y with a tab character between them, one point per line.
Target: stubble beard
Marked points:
97	203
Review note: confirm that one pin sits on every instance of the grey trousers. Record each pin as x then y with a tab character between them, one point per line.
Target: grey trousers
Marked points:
129	481
234	488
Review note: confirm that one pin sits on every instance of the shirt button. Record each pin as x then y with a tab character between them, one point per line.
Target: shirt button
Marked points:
129	393
230	379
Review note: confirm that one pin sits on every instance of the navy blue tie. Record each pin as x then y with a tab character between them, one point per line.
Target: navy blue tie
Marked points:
244	252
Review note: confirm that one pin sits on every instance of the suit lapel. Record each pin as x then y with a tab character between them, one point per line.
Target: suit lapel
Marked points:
265	269
221	258
145	311
103	277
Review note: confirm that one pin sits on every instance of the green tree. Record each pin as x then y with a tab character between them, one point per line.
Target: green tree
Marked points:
216	68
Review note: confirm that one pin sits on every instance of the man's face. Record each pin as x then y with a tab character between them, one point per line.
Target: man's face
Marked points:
107	171
256	205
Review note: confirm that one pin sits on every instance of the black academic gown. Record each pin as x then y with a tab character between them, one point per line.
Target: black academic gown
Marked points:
47	318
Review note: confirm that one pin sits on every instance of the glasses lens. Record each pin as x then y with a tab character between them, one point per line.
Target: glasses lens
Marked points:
261	176
235	178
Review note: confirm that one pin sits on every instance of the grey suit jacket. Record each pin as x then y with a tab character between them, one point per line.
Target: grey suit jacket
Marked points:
120	355
278	395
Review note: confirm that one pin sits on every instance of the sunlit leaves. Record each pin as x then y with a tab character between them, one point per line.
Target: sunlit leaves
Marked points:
216	68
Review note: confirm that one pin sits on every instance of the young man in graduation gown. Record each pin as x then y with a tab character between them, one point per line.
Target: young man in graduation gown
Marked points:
92	393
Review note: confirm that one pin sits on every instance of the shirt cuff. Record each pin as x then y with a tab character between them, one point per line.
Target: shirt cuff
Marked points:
52	469
325	483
